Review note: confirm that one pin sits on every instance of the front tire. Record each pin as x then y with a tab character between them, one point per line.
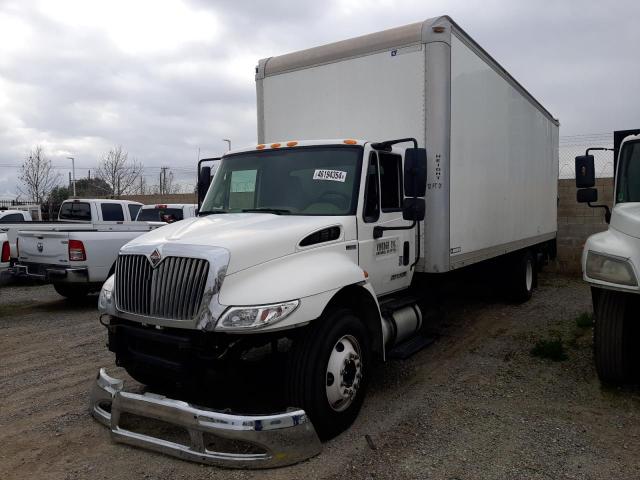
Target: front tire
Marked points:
615	337
327	371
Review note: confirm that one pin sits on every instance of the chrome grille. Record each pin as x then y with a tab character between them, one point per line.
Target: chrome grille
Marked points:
173	289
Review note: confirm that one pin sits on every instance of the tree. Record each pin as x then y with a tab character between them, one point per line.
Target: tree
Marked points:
119	172
92	187
37	176
58	195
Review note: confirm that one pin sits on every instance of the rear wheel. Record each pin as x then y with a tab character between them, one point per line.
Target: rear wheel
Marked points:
522	277
615	337
328	370
71	291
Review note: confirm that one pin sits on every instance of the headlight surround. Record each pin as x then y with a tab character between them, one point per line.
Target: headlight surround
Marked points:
610	269
259	316
105	300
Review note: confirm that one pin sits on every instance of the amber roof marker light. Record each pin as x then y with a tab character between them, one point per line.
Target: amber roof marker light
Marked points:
350	141
260	147
291	144
275	145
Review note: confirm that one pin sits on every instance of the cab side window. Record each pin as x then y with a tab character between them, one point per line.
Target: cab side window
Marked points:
112	212
371	211
391	182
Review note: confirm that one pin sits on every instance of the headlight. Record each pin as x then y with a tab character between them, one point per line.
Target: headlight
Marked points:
105	300
610	269
240	318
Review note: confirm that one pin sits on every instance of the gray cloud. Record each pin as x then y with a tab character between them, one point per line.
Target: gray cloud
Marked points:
78	87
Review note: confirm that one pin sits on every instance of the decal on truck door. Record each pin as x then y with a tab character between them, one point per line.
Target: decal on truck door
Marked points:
386	247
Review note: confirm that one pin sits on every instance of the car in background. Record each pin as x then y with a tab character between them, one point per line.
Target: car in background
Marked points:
167	213
12	216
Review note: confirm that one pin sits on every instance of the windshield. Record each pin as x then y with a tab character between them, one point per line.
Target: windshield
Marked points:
167	215
629	173
297	181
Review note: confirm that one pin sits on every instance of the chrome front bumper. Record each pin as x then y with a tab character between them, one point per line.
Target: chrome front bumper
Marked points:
282	439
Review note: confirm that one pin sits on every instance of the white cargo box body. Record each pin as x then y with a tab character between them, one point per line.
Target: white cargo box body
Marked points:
492	148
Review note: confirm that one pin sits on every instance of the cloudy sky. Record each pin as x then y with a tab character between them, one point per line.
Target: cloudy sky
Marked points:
166	78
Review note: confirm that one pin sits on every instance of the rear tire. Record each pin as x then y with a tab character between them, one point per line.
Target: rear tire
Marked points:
522	277
327	371
71	291
615	338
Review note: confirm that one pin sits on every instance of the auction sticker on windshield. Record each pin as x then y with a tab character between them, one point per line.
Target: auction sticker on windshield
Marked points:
333	175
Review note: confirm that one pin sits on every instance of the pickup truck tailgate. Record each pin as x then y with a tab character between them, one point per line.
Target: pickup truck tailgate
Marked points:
51	248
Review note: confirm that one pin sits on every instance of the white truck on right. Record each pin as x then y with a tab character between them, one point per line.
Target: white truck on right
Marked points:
611	262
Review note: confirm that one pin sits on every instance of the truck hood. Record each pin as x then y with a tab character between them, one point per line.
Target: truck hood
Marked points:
250	238
626	218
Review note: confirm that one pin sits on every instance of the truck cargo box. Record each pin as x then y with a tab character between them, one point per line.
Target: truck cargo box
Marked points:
492	148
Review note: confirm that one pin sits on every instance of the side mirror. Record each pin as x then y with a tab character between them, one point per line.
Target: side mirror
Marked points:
587	195
413	209
204	181
415	172
585	172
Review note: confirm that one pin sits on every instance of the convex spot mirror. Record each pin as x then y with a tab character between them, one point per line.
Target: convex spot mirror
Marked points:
415	172
585	171
413	209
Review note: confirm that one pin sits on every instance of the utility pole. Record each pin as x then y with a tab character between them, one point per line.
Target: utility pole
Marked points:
228	143
163	180
73	168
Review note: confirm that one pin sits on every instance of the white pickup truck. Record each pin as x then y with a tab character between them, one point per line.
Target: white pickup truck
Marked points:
167	212
324	252
73	214
611	262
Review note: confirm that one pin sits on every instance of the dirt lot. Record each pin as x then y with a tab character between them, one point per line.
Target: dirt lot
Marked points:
476	404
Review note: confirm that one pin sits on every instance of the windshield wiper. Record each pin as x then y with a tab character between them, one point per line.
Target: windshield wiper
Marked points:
275	211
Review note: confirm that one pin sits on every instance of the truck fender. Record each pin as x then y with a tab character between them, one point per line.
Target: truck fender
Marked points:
362	300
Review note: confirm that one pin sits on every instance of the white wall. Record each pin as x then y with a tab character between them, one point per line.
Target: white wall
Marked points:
504	159
375	97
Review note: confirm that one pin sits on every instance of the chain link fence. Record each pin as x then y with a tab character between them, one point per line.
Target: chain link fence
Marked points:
573	145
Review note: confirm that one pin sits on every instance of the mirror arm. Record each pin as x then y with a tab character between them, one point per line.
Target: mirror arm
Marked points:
598	148
378	231
607	211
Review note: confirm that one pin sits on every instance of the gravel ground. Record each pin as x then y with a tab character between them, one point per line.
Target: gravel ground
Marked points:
473	405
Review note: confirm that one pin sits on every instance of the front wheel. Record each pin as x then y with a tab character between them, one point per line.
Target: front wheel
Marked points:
615	337
328	370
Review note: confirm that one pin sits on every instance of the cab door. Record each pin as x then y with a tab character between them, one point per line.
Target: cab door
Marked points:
386	259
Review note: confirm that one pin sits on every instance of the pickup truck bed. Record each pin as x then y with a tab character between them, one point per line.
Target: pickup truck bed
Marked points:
82	255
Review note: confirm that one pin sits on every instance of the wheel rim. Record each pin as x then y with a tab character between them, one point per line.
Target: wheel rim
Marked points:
344	373
529	275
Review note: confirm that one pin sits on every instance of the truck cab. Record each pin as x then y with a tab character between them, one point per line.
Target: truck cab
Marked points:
611	265
80	210
297	240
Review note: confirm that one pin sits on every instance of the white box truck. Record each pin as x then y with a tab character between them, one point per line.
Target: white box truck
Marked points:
381	159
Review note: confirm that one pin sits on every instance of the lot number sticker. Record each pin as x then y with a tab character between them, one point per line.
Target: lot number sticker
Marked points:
333	175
